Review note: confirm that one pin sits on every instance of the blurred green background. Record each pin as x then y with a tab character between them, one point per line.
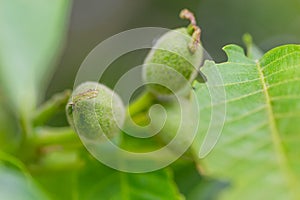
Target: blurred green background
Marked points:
31	33
270	22
29	43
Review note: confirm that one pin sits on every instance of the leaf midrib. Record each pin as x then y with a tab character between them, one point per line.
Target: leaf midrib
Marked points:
282	157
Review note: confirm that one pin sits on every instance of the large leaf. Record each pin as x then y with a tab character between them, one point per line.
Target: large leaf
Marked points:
100	182
59	185
93	180
16	186
194	186
31	33
57	173
259	147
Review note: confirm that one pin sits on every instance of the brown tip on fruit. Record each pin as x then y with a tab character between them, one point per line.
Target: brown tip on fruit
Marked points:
186	14
89	94
196	39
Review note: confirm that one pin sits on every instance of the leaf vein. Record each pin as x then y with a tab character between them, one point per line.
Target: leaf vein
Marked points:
277	142
278	98
232	100
281	71
246	133
283	82
278	59
237	83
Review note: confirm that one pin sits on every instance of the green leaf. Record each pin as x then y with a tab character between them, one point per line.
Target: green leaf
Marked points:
194	186
60	185
57	172
9	130
258	151
100	182
93	180
16	186
31	34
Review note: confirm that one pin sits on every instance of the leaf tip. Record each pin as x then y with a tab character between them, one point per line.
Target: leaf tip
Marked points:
236	53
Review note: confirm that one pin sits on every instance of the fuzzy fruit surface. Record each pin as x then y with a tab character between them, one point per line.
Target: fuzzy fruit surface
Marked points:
169	59
94	110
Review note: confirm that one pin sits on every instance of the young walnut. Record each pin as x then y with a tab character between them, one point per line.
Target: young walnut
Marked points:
94	110
174	60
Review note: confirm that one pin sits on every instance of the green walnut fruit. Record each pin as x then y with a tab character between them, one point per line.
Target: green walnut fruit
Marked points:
94	110
174	61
